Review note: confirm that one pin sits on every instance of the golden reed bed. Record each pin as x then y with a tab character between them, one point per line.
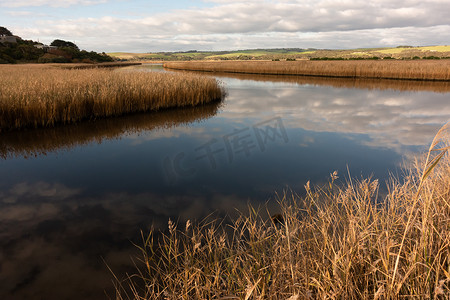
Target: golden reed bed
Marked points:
398	69
338	82
43	96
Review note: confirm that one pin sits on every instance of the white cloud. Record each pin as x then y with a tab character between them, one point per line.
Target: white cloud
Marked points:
19	13
236	24
52	3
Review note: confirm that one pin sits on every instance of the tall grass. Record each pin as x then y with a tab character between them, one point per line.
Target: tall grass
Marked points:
359	83
36	96
413	70
336	242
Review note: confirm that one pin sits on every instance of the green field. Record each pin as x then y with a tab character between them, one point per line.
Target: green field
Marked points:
401	52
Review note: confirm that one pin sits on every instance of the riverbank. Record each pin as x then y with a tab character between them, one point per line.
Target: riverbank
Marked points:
438	70
336	82
342	241
35	96
99	65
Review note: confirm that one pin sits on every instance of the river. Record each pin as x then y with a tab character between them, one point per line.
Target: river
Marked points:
74	198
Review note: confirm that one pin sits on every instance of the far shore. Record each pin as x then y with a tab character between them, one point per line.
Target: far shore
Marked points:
434	70
98	65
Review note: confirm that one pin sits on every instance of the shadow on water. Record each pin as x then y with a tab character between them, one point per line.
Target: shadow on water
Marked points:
41	141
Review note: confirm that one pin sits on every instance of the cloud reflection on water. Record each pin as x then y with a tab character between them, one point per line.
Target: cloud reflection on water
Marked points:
391	118
58	240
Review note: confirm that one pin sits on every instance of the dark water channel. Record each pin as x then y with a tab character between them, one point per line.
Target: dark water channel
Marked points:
73	197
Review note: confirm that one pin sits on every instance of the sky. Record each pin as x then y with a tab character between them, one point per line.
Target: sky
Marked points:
181	25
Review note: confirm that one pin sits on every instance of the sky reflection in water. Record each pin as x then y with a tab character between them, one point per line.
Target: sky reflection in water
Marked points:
72	195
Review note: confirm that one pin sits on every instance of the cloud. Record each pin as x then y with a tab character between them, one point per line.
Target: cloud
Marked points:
116	40
65	3
235	24
260	17
14	13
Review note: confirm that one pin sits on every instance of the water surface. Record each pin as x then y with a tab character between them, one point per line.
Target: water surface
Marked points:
75	196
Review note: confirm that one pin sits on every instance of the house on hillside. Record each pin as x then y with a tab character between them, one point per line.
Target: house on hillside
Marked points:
8	39
46	48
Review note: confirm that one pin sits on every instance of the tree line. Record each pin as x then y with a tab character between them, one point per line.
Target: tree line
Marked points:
28	51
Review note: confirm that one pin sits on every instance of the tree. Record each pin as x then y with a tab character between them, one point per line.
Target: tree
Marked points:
5	31
62	44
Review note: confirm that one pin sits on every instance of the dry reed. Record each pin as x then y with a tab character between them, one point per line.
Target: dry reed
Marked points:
352	83
337	242
36	96
411	70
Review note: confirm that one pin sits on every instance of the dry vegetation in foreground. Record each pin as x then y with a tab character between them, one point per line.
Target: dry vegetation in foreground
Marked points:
405	69
334	243
39	96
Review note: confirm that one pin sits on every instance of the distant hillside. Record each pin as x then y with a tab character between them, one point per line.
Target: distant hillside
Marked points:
202	55
401	52
13	49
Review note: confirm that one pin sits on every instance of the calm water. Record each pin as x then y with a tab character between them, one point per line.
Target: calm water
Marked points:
75	196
